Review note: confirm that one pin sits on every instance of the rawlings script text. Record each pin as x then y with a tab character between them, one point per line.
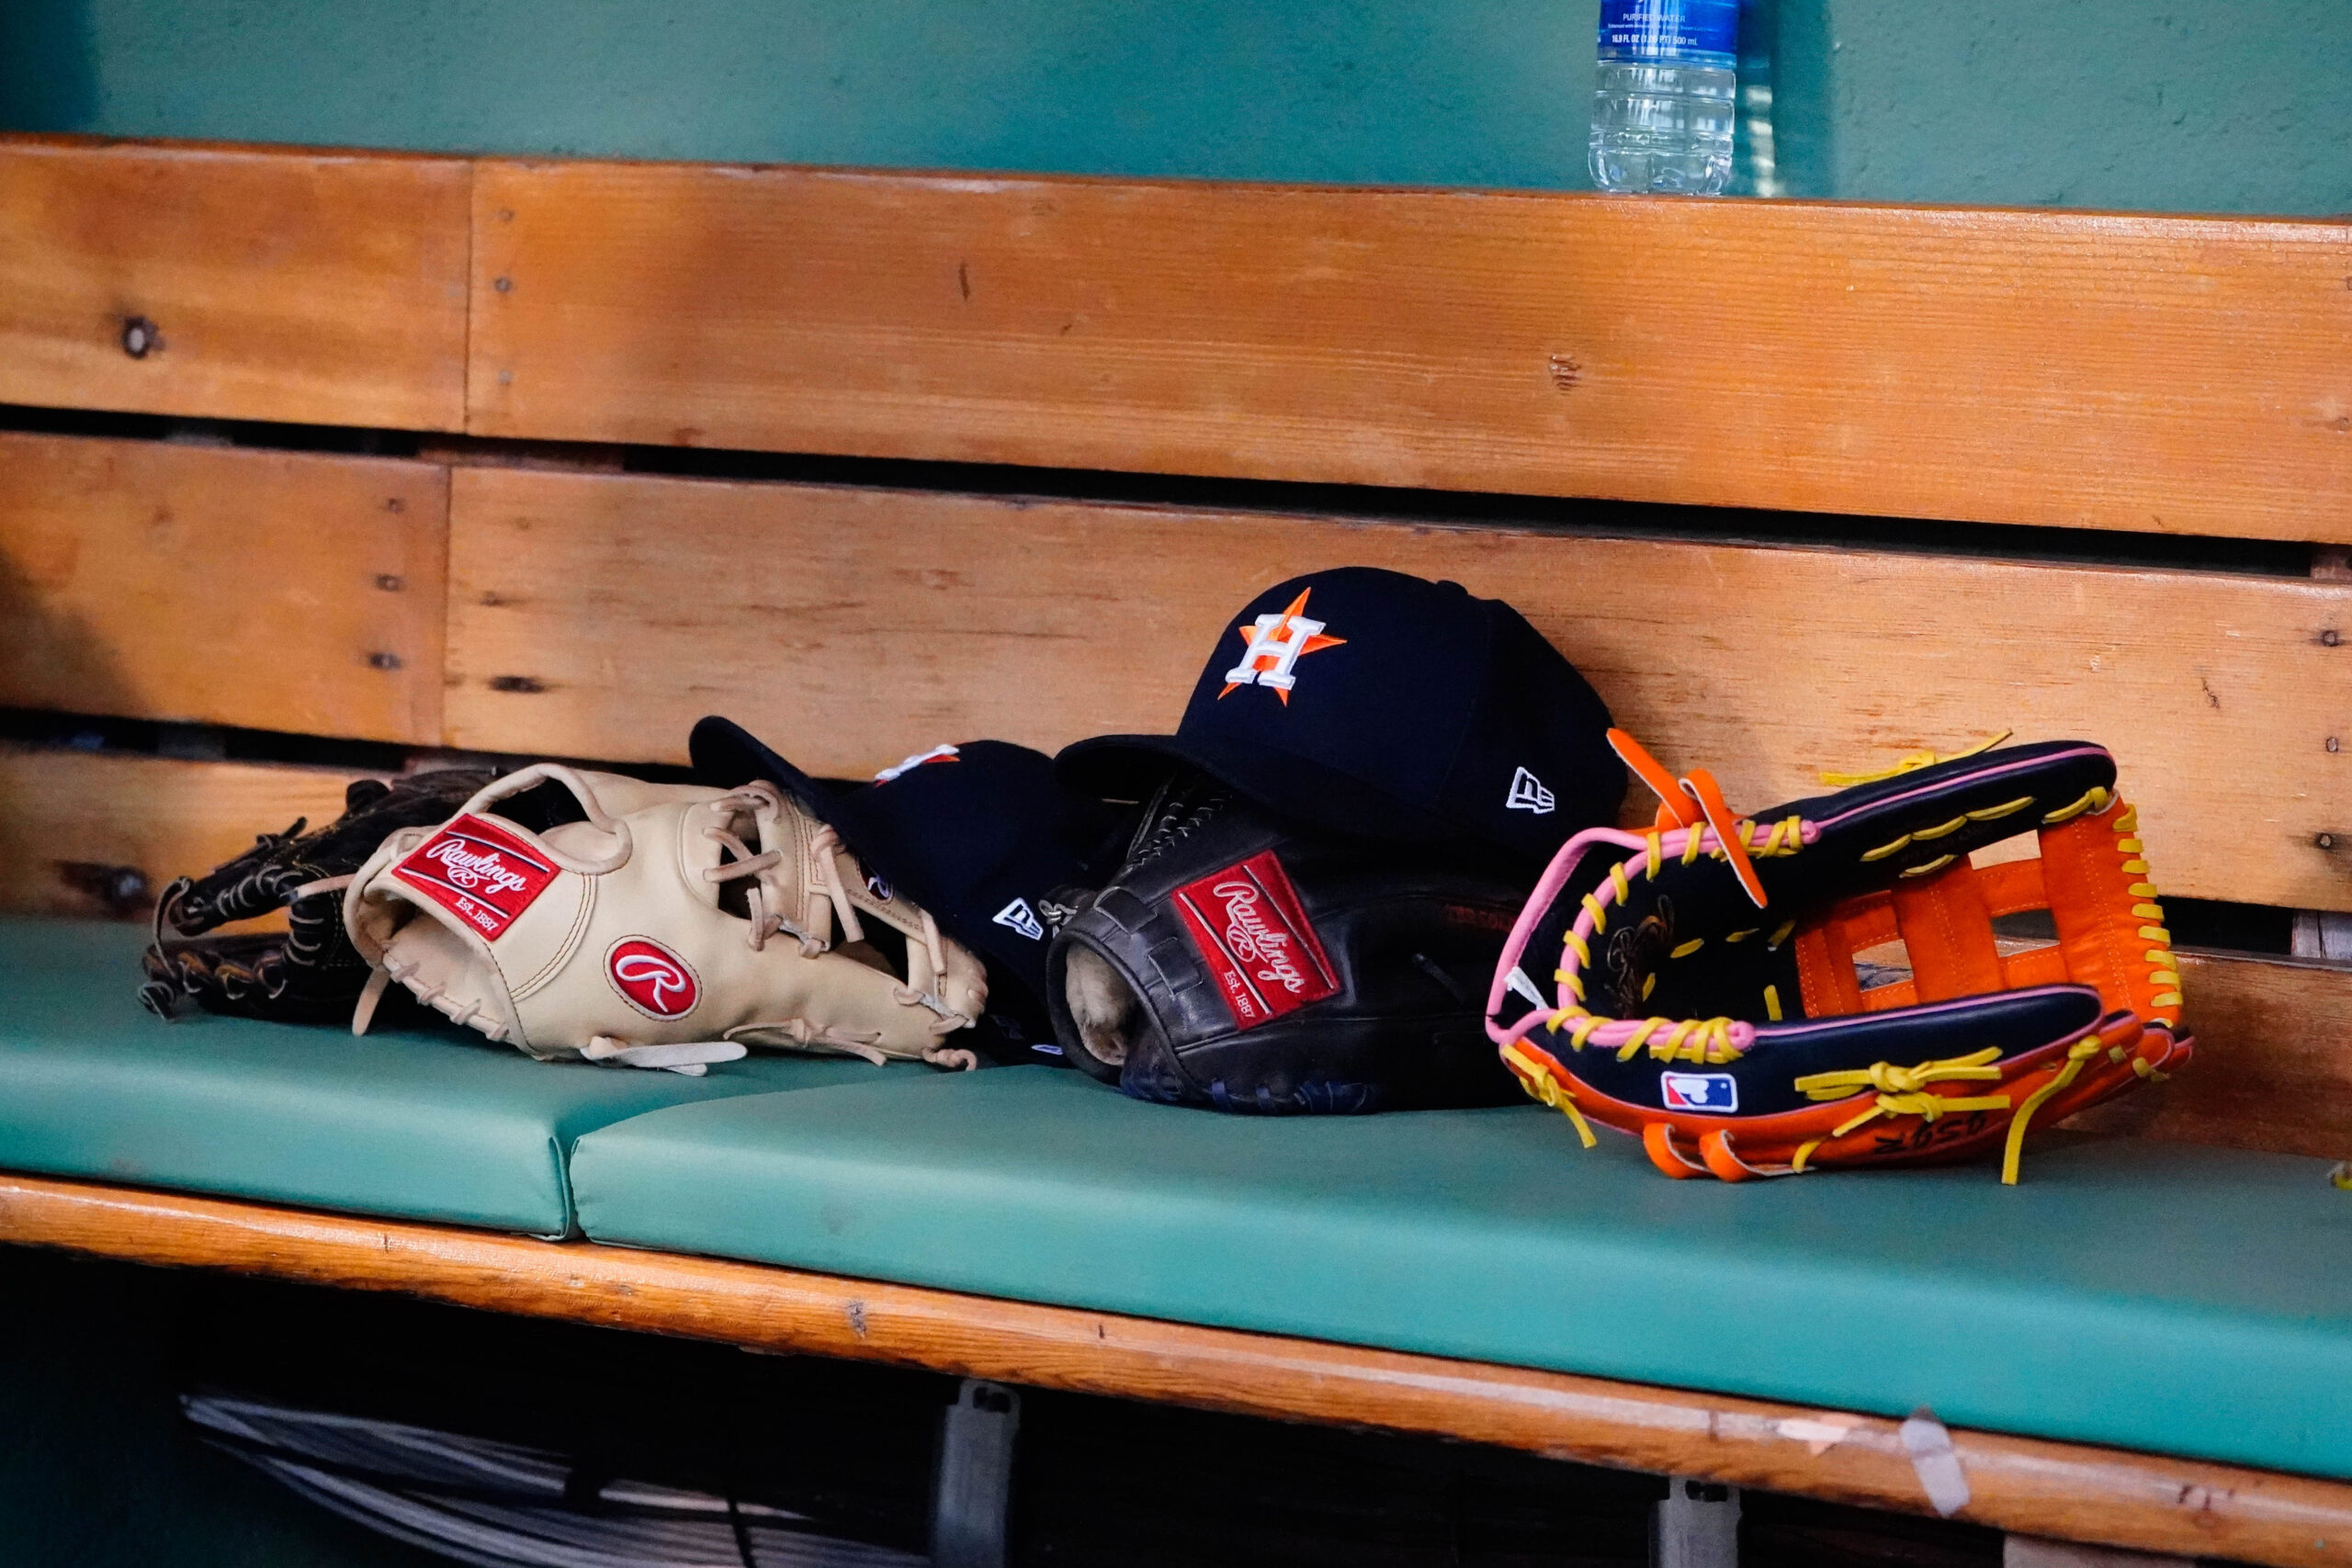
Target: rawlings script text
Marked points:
1252	941
469	868
1253	935
480	872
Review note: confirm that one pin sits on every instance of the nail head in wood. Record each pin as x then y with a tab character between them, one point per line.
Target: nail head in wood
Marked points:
139	337
121	889
383	661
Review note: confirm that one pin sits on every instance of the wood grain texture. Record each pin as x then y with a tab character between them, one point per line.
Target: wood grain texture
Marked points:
2039	1487
2093	370
2273	1068
71	823
598	616
325	288
267	590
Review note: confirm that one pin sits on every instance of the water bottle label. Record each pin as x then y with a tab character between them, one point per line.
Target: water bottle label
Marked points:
1669	30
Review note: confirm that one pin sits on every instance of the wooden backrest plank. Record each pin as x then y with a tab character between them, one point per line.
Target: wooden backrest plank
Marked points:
2273	1068
324	288
2139	372
2135	372
597	615
267	590
73	823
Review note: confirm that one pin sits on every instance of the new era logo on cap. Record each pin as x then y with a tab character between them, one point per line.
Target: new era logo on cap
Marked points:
1019	917
1528	794
1699	1091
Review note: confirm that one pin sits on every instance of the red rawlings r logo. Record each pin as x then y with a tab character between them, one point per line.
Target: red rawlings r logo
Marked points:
1249	925
478	872
651	979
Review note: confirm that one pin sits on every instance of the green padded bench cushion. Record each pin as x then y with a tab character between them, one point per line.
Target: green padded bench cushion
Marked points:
431	1126
2188	1300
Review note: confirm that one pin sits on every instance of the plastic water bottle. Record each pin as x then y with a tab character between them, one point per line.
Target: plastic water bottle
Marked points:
1662	100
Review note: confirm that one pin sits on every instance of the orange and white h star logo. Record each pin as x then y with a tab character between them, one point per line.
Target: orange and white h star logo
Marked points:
1277	643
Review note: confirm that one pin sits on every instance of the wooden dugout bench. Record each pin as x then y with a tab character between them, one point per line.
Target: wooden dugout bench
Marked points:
465	454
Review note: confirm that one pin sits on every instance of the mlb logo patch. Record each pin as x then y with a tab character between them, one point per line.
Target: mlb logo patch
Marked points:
1718	1092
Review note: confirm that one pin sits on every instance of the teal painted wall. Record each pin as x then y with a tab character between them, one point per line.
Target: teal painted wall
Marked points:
2241	105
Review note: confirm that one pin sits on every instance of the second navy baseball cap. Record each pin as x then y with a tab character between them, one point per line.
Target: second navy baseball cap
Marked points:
978	833
1376	703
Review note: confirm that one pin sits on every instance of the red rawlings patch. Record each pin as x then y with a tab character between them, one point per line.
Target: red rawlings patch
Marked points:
478	872
651	979
1250	927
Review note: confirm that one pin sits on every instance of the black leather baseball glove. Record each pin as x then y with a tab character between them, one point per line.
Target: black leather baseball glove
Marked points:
1239	963
308	973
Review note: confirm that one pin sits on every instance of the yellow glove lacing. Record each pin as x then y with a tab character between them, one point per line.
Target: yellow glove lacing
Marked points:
1902	1091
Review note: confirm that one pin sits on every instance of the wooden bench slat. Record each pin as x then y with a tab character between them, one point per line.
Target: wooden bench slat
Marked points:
597	615
317	288
267	590
2093	370
2028	1485
161	817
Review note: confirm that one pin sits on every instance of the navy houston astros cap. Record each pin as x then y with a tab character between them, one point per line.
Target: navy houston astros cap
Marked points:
1370	703
976	833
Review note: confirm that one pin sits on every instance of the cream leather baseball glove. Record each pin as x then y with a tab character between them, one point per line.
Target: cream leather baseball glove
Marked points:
672	927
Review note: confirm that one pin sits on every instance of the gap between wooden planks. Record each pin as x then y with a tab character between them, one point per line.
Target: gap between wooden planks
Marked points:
2032	1486
598	616
2143	372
